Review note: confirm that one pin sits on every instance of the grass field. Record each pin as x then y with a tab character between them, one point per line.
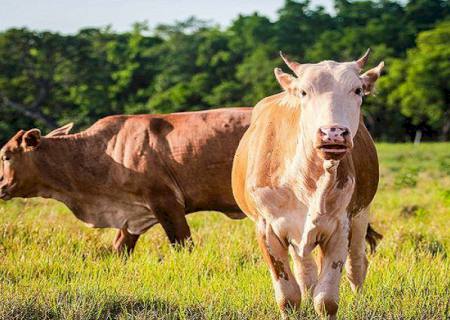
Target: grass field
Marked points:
53	267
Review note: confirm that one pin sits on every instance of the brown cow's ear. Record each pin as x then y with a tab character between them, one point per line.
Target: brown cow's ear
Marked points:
285	80
61	131
370	77
31	139
18	137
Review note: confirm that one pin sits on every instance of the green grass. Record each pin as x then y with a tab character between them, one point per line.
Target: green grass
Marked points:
53	267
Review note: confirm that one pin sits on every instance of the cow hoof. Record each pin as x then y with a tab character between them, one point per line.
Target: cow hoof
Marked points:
288	308
325	306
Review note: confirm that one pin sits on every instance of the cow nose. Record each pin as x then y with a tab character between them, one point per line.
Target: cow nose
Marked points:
333	134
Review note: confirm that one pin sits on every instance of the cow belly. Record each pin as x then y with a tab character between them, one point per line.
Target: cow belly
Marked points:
135	217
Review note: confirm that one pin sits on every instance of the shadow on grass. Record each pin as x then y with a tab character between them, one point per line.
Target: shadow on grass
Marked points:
69	306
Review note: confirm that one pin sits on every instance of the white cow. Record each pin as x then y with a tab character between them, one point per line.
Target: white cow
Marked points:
306	172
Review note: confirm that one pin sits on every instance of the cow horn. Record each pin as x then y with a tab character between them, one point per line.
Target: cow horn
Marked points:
294	66
361	62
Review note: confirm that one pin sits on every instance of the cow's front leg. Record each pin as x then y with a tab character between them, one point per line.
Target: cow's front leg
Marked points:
357	262
124	242
305	270
287	292
334	250
173	220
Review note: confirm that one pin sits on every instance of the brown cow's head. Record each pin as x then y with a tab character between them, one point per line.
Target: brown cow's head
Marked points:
17	169
16	165
330	94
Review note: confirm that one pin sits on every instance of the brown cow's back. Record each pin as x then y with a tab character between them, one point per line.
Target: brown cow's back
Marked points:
198	148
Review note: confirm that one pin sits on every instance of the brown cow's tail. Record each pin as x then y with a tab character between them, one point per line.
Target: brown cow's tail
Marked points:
372	238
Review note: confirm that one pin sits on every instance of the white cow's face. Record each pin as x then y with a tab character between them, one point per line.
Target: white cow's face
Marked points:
330	95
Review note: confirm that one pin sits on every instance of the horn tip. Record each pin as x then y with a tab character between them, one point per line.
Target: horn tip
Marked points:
277	71
362	61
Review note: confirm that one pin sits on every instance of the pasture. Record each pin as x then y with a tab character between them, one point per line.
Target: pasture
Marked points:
54	267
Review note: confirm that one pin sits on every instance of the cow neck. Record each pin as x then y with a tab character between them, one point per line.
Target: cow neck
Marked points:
58	162
321	181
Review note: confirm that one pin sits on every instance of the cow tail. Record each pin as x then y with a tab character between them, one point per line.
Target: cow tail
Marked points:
372	238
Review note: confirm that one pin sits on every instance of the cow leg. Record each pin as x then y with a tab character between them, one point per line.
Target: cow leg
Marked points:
287	292
334	251
357	262
305	270
124	242
173	221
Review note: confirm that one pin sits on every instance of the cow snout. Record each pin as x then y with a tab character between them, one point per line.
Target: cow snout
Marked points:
2	191
334	134
5	191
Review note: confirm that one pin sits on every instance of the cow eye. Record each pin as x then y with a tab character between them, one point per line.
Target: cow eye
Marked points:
303	93
358	91
6	158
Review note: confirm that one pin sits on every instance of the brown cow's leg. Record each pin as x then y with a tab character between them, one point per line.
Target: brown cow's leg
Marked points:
173	221
305	270
357	262
287	292
326	292
124	242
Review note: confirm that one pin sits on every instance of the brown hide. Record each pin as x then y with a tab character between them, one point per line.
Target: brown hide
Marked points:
130	172
365	162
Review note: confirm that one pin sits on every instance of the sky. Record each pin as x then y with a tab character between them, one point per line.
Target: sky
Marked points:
69	16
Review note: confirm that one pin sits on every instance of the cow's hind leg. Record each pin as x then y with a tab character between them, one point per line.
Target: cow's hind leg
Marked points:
334	251
287	292
124	242
357	262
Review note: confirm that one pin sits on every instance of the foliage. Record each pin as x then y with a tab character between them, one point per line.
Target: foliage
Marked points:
48	79
424	93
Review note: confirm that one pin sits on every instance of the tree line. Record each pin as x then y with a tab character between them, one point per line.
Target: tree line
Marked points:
48	79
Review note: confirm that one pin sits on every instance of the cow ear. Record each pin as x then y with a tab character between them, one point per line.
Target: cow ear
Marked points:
285	80
370	77
31	139
61	131
18	137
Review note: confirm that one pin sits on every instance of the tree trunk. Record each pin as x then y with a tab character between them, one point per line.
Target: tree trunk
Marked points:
32	111
445	128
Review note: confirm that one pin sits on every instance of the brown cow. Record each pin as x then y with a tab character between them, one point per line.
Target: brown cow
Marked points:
306	172
131	172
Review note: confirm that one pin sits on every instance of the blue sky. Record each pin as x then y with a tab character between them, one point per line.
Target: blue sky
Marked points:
68	16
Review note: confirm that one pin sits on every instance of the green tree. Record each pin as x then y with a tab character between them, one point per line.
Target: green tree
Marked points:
30	64
424	93
298	26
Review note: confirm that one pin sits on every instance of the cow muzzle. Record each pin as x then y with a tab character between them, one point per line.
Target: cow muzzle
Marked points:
5	192
333	142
